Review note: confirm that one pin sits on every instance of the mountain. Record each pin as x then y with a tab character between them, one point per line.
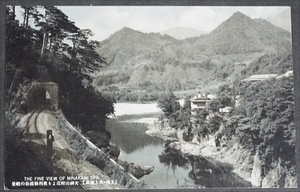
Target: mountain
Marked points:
241	34
126	44
183	33
282	20
141	60
136	58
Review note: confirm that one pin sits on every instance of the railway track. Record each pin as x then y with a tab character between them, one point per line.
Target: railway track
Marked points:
28	122
31	125
37	124
37	142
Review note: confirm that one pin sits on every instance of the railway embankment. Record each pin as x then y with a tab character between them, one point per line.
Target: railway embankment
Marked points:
86	150
73	154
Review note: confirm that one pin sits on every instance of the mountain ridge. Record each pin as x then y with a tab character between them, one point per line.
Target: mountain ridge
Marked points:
181	33
240	34
139	59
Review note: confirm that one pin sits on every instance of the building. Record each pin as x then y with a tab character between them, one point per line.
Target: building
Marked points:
286	74
200	102
261	77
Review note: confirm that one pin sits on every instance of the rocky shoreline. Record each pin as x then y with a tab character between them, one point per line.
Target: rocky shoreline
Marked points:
234	156
244	164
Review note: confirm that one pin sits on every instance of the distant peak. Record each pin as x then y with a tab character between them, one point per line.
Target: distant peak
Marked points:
126	29
239	15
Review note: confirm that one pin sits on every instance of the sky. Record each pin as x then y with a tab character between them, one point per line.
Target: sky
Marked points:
106	20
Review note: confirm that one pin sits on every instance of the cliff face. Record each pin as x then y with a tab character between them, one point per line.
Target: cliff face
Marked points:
245	165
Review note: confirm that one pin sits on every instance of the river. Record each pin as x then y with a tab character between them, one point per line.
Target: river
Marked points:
171	169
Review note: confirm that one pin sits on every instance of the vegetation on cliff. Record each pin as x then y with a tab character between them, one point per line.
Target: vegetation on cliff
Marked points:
47	46
52	48
264	122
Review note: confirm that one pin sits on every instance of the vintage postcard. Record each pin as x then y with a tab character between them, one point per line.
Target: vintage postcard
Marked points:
149	97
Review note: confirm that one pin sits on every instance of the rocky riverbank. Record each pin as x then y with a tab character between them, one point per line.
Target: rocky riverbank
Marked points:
243	162
234	155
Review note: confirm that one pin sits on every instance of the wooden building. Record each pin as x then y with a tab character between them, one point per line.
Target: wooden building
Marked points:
200	102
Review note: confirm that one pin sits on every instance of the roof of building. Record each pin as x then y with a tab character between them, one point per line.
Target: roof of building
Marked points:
199	99
260	77
286	74
46	83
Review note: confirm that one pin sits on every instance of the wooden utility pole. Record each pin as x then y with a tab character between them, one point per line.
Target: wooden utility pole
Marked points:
50	139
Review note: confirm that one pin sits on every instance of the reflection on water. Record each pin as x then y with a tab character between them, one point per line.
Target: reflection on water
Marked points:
211	173
171	169
173	159
130	136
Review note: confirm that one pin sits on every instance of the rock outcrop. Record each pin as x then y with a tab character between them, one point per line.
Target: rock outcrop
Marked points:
290	181
137	171
256	172
275	178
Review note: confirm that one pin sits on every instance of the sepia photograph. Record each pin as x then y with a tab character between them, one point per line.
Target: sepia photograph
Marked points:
149	97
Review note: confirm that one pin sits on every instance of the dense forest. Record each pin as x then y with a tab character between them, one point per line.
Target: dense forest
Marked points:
46	46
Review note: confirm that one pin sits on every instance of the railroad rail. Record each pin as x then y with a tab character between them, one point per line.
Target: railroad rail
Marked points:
35	139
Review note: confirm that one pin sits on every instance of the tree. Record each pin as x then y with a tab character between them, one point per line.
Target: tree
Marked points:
200	125
30	12
187	105
20	53
168	104
220	102
55	27
84	57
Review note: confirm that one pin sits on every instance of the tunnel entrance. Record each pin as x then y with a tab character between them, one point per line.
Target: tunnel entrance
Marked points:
42	95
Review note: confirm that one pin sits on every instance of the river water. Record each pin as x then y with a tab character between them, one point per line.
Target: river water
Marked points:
171	169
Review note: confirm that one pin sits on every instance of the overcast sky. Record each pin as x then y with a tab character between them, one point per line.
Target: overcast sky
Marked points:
105	20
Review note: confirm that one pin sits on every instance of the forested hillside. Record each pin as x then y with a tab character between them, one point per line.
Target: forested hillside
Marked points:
46	46
237	48
241	34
